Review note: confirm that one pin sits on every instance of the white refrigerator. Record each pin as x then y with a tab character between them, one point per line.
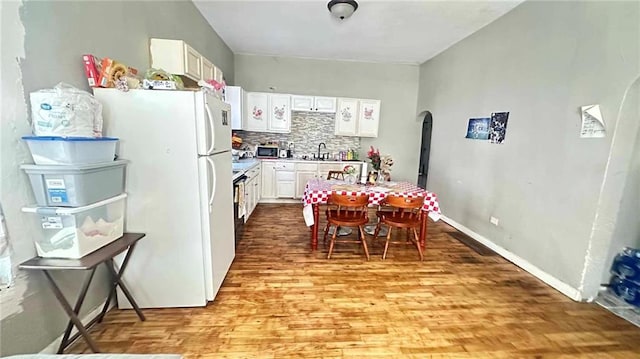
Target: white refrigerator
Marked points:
179	182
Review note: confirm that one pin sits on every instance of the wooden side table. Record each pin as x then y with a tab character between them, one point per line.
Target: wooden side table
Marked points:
89	262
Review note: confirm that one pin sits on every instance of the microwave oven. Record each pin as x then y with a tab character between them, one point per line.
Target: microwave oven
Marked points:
267	151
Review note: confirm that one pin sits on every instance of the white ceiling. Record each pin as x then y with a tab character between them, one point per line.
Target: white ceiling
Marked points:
379	31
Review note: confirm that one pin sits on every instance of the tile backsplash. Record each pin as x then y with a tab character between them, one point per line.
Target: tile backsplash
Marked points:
308	129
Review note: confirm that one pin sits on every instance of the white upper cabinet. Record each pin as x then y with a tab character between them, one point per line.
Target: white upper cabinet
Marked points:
301	103
313	104
280	113
236	97
267	112
368	118
346	117
208	72
357	117
325	104
178	58
192	63
217	74
256	111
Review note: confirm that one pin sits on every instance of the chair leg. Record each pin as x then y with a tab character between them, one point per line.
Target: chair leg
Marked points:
364	241
417	243
333	242
375	233
326	230
386	244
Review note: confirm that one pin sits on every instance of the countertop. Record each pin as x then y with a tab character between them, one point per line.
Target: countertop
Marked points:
308	161
242	166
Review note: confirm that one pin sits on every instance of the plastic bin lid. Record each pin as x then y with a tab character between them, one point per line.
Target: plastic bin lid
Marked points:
70	139
72	168
71	210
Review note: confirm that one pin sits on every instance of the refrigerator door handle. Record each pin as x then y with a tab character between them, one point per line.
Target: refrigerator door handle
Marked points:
212	190
211	128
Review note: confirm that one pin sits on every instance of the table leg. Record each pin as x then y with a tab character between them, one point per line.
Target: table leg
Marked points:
112	293
423	228
116	276
71	313
127	294
76	309
314	228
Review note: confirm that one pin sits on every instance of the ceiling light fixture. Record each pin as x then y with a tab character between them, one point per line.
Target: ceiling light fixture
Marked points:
342	9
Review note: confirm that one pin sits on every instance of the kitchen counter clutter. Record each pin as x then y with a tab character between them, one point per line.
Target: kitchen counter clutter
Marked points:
283	180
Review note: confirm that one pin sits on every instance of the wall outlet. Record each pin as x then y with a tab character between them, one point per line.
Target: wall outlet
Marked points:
494	221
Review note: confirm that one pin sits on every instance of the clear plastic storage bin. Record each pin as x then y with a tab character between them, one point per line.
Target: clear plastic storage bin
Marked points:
71	150
76	232
75	186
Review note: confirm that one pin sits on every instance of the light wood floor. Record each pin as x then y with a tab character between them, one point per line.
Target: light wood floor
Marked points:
281	301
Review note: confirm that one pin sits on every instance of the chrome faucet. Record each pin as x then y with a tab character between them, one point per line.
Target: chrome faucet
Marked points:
321	144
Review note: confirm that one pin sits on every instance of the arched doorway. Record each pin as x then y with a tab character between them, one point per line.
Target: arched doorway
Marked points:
425	147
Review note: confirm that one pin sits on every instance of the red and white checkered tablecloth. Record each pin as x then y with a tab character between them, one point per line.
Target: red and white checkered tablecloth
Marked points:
318	191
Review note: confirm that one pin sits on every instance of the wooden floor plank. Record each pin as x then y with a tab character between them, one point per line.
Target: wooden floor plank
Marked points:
280	300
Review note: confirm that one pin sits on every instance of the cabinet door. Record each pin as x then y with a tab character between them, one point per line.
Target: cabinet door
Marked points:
258	190
192	63
325	104
268	179
302	177
168	55
207	69
280	113
217	74
368	118
248	198
234	96
302	103
286	189
346	117
257	111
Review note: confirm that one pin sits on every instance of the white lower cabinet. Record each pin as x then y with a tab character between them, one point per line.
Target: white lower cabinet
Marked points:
248	199
304	173
285	180
268	179
252	190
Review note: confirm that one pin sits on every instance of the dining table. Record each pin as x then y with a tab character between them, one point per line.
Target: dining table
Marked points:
317	192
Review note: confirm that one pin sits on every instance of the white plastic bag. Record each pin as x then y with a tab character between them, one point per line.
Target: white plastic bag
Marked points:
65	111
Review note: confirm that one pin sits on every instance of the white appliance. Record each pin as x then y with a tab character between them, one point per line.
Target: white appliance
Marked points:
180	190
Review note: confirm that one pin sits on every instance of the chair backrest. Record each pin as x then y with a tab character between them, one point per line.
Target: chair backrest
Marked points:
335	175
349	205
411	206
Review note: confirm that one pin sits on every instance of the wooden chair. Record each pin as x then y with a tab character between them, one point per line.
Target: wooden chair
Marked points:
404	213
347	211
335	175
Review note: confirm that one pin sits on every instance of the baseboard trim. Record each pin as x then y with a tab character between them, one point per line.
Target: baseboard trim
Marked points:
552	281
52	348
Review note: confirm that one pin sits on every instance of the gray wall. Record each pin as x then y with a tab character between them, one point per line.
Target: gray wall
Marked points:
56	34
541	62
395	85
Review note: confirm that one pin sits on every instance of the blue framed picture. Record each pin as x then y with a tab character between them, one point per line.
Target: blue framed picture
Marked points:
478	128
